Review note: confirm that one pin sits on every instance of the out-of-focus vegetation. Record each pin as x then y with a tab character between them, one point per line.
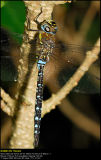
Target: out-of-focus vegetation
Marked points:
2	3
13	16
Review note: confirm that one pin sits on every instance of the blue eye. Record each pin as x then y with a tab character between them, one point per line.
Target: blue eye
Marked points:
45	28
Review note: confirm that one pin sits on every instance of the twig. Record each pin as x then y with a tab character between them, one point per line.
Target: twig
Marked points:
7	103
6	108
67	108
79	37
6	97
89	16
74	80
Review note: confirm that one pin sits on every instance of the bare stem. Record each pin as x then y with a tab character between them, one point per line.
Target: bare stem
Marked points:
7	103
74	80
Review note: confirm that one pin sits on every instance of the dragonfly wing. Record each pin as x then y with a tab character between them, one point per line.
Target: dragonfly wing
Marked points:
89	84
71	57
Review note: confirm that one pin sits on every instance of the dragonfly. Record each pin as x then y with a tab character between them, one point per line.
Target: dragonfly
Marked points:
46	46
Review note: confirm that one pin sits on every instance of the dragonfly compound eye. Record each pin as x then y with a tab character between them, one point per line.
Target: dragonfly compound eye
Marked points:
47	29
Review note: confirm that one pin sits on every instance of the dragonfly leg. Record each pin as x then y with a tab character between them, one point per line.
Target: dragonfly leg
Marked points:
35	19
28	26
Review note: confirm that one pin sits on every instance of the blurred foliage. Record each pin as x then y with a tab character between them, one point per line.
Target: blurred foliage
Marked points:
13	16
12	19
94	31
2	3
80	9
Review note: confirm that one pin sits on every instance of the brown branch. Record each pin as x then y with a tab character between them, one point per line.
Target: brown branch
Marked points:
78	118
74	80
7	109
78	38
6	97
89	16
7	103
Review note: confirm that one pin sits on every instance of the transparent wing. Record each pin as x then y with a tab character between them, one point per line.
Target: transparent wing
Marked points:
66	58
73	56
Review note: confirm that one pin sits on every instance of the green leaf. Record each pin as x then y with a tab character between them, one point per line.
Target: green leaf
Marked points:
13	16
3	3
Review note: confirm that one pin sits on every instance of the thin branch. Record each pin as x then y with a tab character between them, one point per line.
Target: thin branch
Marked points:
78	118
74	80
7	98
7	103
7	109
89	16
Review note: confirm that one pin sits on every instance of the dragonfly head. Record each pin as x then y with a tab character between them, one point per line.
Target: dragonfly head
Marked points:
49	27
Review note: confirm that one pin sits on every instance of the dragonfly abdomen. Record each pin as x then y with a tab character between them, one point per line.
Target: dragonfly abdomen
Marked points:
38	105
45	49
